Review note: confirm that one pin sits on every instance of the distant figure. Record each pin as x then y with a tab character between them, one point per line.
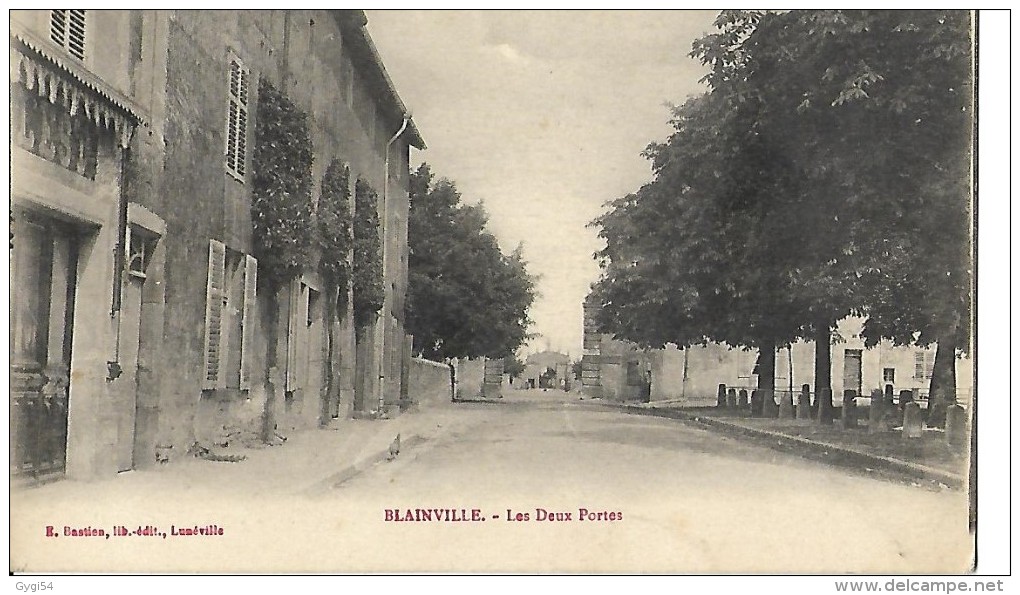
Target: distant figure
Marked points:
394	448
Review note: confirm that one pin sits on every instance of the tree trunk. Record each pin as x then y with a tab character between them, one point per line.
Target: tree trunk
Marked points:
823	371
331	387
272	323
942	390
766	378
360	370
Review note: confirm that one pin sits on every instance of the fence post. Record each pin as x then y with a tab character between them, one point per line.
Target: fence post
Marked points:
720	399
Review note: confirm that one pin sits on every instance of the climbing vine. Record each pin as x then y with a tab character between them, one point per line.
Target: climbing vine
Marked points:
367	277
333	220
281	206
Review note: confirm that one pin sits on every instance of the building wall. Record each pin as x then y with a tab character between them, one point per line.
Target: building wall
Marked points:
305	55
713	364
116	321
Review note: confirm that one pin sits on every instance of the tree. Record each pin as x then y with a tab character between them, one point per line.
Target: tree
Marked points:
281	211
513	366
465	297
833	145
875	108
335	241
690	258
367	271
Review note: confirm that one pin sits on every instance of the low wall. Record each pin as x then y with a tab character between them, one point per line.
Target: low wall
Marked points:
428	382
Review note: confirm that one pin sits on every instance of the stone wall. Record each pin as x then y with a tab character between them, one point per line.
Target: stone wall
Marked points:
428	383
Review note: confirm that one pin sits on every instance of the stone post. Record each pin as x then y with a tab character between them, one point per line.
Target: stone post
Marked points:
825	413
888	395
768	404
786	405
956	426
742	398
804	402
731	398
913	426
720	399
876	417
906	396
756	403
849	418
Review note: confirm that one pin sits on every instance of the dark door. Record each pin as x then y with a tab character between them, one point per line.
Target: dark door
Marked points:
43	270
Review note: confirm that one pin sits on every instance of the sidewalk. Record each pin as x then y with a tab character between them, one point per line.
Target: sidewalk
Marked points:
928	460
310	461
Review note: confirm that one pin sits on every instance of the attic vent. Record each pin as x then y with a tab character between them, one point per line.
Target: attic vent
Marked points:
67	29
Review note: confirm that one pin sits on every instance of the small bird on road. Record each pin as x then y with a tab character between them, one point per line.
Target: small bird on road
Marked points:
394	448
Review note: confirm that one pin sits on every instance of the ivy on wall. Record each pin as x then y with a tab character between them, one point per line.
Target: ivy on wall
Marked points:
333	222
281	206
367	275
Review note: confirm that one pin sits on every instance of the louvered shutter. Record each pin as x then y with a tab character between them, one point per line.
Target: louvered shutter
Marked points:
67	29
214	298
248	320
237	118
293	330
58	27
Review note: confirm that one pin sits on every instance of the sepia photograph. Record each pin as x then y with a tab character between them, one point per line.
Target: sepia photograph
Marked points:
340	291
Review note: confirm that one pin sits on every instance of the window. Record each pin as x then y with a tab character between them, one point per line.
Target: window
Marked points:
139	251
889	374
923	362
237	118
218	298
67	29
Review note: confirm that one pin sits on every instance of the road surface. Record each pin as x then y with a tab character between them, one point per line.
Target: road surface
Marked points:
685	500
658	496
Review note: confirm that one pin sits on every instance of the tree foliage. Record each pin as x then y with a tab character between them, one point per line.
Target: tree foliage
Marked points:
465	297
281	202
826	172
333	219
367	278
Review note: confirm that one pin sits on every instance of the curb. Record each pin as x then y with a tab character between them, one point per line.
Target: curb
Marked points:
349	472
818	451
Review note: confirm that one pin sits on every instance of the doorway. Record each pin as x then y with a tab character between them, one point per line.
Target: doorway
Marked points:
44	265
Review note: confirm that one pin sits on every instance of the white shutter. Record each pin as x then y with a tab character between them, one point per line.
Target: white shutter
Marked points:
248	320
293	327
214	298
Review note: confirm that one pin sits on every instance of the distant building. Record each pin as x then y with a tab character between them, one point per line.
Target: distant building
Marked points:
546	369
620	370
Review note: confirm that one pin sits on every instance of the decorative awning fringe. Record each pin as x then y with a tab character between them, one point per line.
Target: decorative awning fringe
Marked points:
61	88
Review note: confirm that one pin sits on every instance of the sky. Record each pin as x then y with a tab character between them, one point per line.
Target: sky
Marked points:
543	116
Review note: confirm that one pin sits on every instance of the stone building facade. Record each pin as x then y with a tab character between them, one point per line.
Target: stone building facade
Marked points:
620	370
140	231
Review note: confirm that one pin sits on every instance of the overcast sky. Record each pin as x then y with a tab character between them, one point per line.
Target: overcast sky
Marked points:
543	115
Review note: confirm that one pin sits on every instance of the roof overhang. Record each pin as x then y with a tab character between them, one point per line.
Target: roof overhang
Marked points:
365	55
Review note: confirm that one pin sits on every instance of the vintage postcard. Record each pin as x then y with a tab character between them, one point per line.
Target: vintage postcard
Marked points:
569	292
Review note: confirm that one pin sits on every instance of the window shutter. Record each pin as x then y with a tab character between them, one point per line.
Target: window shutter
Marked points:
293	328
919	366
58	27
237	118
214	315
67	29
248	320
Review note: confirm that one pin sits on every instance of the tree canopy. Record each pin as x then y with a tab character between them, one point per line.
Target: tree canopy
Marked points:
466	298
825	172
